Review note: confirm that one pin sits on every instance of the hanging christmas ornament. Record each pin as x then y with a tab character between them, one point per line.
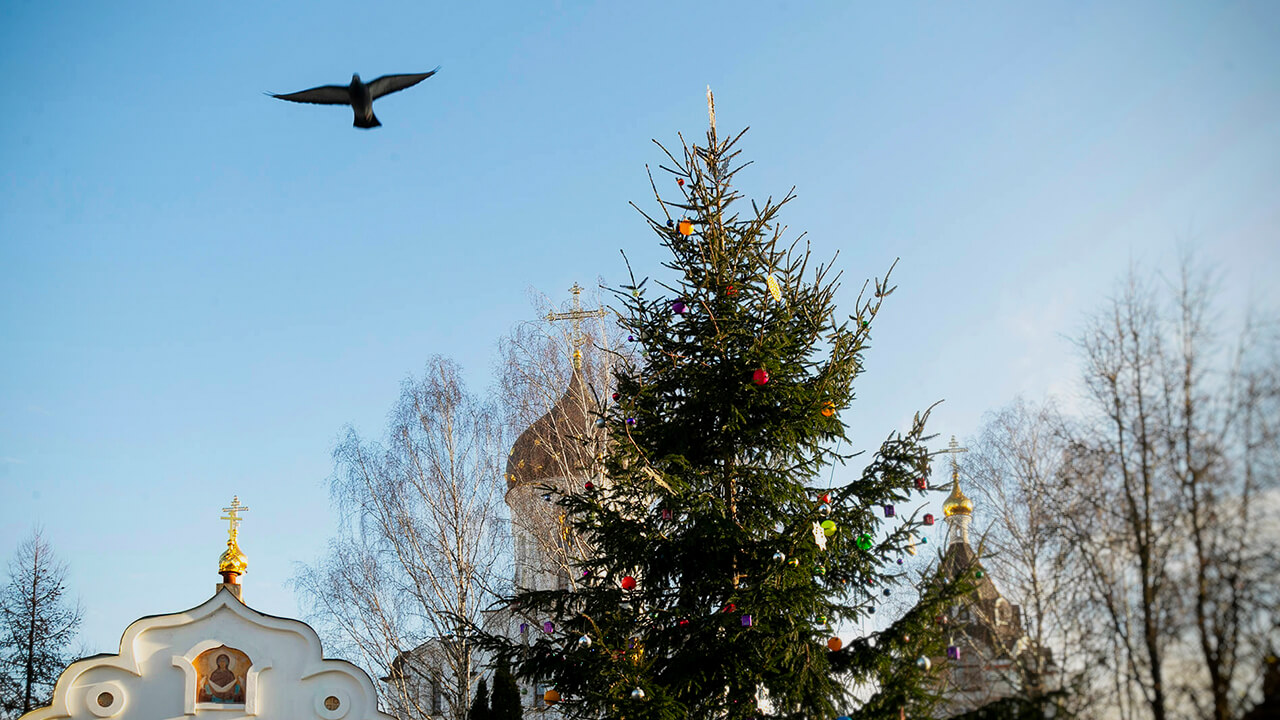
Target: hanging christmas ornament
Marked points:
795	562
828	409
524	628
820	570
548	627
588	485
600	422
819	537
923	663
928	518
826	498
953	652
774	288
886	592
911	544
631	421
551	697
685	227
731	291
746	621
637	694
680	182
822	621
666	513
899	561
864	541
922	484
729	608
584	642
834	644
829	528
978	574
671	223
760	376
824	510
678	307
888	511
779	557
616	397
546	496
628	583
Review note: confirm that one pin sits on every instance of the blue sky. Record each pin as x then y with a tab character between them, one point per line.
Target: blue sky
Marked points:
200	285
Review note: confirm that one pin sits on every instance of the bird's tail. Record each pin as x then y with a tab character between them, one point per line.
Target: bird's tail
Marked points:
367	122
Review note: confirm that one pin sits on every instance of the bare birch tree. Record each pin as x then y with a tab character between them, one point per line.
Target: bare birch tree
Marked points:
36	624
1014	468
1161	482
424	543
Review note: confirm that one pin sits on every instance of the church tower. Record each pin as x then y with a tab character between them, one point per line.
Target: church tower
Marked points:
561	452
985	635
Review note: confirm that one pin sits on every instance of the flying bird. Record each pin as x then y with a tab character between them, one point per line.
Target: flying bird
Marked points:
358	95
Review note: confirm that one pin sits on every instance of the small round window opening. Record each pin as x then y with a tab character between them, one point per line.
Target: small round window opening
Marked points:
105	699
332	703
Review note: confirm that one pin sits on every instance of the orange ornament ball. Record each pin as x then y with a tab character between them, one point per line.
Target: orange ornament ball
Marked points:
551	697
834	644
685	227
828	409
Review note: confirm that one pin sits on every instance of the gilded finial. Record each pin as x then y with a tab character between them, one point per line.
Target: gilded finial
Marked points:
233	562
577	315
957	503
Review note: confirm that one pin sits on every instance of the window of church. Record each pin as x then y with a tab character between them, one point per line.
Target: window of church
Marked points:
1002	612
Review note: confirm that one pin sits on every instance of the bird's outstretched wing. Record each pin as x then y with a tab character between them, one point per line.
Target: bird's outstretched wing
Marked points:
323	95
388	84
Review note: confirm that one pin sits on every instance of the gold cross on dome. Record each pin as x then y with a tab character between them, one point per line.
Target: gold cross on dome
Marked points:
954	449
232	514
576	315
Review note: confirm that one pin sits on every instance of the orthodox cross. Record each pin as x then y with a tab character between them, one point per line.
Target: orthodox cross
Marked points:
954	449
576	315
232	514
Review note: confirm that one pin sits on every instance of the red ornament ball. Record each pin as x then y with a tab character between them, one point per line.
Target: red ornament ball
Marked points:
589	485
628	583
680	182
826	497
760	376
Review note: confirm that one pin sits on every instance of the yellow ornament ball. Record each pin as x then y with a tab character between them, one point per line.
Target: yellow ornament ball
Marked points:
828	409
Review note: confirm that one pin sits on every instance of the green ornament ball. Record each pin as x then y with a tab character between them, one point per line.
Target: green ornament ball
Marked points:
864	541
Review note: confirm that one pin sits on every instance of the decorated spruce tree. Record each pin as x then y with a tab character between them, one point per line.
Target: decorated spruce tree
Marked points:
721	561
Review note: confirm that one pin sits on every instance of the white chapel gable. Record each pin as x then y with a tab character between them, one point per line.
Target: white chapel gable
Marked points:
220	660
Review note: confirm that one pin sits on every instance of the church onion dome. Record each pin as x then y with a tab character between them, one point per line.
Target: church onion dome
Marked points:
957	503
233	560
552	446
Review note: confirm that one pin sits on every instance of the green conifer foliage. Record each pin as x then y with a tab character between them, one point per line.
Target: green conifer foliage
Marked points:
505	704
709	593
480	703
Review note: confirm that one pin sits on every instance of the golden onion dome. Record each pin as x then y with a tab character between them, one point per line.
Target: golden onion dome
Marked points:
957	503
233	560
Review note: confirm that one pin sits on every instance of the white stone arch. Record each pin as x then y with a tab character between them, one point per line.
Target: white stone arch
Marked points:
152	678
